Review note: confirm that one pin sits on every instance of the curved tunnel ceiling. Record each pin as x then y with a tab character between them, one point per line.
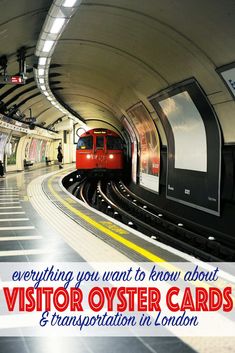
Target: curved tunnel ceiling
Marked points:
114	53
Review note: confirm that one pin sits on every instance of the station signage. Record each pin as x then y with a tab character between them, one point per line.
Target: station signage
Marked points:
6	125
14	80
30	120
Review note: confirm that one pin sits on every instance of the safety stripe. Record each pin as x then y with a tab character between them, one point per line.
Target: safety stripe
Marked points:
143	252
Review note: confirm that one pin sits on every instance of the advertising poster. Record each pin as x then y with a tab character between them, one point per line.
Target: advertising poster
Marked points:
26	151
43	150
3	140
12	149
194	146
37	150
149	146
33	150
47	150
134	149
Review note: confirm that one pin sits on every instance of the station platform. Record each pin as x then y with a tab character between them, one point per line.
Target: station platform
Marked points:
41	221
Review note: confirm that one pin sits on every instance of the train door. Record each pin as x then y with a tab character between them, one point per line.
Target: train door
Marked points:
100	152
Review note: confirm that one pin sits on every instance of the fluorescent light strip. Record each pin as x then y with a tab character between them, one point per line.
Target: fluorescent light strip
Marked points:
69	3
48	45
42	61
41	72
57	25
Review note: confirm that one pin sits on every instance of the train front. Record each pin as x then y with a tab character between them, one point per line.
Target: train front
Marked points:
100	151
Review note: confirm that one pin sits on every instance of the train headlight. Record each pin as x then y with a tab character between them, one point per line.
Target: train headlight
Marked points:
88	156
111	156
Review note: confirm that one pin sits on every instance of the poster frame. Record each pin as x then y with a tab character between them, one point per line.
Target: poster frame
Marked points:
205	109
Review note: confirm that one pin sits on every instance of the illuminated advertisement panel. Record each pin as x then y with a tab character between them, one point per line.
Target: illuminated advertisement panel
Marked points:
37	150
188	130
3	140
26	152
134	149
149	146
33	150
47	151
12	149
43	150
194	146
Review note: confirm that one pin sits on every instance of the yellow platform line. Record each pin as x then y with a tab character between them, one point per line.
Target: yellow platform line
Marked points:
145	253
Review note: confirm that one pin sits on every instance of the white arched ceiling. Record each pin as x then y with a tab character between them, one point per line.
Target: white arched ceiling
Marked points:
117	52
20	25
114	53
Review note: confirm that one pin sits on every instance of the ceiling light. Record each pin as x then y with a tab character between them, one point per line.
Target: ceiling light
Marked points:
57	25
69	3
49	37
41	72
42	61
48	45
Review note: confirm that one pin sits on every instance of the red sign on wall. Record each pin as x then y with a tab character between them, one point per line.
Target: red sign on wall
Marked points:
16	79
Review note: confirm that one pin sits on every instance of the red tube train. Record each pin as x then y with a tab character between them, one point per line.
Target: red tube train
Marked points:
99	150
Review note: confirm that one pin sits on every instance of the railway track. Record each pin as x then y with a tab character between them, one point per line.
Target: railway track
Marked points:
116	200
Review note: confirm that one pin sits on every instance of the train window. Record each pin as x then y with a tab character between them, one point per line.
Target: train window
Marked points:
85	143
100	142
114	143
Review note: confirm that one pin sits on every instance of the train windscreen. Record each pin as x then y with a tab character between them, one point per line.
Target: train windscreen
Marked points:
114	143
85	143
99	142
